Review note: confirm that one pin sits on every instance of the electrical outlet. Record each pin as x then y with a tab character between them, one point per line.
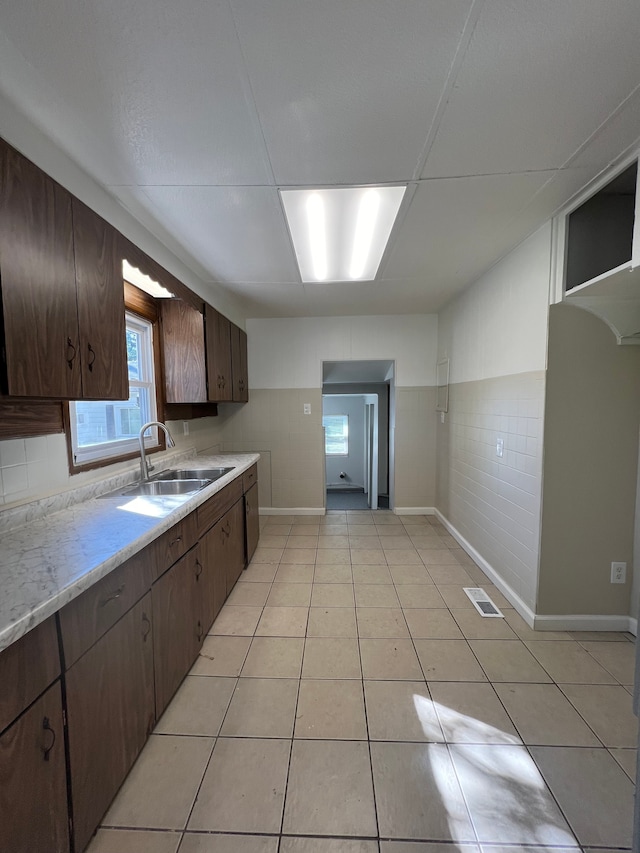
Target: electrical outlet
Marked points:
307	408
185	427
500	447
618	572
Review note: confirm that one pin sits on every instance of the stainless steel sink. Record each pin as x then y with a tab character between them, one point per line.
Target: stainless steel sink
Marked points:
159	488
209	474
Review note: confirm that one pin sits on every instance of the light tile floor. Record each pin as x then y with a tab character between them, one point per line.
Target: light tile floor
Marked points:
349	698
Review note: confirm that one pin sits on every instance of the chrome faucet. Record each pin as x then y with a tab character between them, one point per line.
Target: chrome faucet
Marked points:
145	467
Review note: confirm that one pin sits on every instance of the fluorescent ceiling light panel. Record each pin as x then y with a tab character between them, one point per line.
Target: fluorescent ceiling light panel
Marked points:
341	234
144	282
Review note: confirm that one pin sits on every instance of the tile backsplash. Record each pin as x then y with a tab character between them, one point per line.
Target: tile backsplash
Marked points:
33	468
28	466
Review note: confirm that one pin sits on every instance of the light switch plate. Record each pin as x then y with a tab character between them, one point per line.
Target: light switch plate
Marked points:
500	447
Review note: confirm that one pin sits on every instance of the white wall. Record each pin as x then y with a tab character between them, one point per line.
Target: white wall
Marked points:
498	327
288	353
495	335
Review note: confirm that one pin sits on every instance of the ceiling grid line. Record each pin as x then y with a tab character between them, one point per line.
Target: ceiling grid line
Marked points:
452	76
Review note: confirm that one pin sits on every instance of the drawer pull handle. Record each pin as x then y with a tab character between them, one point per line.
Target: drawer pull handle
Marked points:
72	350
175	541
92	352
46	726
113	596
198	569
147	623
199	631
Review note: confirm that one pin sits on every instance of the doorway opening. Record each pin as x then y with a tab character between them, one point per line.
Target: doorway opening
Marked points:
358	413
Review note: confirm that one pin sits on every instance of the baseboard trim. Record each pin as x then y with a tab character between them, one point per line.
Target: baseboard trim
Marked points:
585	622
414	510
292	510
569	622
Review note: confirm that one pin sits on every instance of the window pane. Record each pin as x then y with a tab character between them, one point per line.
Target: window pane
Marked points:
336	434
98	423
133	354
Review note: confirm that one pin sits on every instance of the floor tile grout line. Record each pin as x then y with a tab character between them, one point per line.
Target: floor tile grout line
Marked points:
366	722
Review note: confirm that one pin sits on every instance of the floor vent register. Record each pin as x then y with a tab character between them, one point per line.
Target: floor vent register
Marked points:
482	602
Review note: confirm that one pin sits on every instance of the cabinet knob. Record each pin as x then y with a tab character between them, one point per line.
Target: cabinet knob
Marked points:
46	727
92	358
71	353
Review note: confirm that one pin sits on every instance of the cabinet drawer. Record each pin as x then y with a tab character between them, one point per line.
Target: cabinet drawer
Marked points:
27	668
215	507
174	544
88	617
250	478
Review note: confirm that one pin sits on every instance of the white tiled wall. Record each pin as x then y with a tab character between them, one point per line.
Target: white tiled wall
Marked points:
30	466
495	502
495	335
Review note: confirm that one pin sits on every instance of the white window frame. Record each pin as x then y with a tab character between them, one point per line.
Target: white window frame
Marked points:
123	447
346	438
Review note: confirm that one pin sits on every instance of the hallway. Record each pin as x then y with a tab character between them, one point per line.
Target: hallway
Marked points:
349	698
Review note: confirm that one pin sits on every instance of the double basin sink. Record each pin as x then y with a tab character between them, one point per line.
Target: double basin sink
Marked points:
181	482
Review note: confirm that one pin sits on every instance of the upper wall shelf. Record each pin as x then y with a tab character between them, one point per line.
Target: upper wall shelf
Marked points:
600	264
615	298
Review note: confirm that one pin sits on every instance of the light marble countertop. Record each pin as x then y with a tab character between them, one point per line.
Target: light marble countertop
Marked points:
48	562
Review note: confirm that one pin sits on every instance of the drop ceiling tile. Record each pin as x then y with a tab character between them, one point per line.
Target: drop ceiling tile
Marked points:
455	229
621	131
556	193
347	91
235	233
536	81
161	84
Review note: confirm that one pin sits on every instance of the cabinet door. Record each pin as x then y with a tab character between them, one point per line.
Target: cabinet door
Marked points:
252	520
37	274
178	630
33	782
239	365
110	713
213	579
100	288
218	338
183	352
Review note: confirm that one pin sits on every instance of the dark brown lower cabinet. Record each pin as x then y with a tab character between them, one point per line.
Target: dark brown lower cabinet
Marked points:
233	543
110	713
213	578
225	546
252	520
33	786
178	631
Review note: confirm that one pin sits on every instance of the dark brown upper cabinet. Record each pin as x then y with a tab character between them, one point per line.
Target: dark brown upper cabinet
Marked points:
183	346
62	296
40	345
239	365
205	355
218	338
103	352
